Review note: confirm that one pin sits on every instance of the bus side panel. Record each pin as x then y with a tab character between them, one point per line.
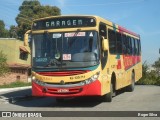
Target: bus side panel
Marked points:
138	71
105	83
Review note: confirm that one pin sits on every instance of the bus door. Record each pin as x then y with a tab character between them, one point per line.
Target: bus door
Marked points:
104	54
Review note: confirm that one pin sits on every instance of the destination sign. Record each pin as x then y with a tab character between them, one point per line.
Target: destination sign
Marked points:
64	22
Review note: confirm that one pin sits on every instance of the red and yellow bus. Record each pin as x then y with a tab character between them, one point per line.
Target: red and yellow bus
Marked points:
76	56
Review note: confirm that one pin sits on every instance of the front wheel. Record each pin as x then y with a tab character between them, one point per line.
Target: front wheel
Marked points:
108	97
60	100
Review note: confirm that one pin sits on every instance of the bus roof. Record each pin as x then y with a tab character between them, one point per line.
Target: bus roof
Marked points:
120	28
100	19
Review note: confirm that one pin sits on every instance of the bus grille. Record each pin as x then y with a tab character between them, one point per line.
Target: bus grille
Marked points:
63	73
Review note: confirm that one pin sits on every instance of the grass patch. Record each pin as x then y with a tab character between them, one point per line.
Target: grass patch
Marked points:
15	84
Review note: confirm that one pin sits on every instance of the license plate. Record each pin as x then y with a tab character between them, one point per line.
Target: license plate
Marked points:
62	90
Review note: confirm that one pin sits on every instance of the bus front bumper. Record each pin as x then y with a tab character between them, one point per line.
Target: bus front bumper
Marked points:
92	89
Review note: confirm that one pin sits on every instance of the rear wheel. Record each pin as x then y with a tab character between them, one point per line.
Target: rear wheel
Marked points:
131	87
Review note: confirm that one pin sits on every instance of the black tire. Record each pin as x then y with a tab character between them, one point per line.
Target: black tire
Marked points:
108	97
131	87
59	100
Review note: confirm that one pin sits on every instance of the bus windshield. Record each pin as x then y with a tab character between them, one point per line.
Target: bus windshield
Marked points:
64	50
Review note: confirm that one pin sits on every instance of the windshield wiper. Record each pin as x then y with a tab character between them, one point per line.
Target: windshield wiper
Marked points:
54	62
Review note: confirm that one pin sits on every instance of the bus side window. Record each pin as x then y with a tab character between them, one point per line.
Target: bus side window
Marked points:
139	47
124	44
130	46
112	41
133	50
127	44
119	43
136	46
103	30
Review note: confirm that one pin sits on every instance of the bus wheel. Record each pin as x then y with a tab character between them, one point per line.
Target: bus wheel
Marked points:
108	97
130	88
59	100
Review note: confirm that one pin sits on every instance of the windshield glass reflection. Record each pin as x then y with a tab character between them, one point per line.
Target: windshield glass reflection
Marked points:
72	49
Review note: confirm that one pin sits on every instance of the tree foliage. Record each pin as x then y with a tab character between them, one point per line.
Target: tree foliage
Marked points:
30	10
3	64
150	77
156	65
145	68
3	32
13	31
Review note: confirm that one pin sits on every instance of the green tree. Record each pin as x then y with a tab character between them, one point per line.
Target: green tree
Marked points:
148	77
13	32
30	10
145	68
151	77
3	64
3	32
156	65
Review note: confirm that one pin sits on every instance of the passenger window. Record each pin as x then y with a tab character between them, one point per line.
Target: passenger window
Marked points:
112	41
124	44
136	47
119	43
139	47
133	50
103	30
129	46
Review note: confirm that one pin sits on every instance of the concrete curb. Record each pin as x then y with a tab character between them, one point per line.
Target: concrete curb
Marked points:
14	89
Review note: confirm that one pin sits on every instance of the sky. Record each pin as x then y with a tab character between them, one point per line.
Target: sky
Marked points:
140	16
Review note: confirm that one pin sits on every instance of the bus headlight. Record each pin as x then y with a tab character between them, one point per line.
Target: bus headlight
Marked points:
39	82
91	79
33	77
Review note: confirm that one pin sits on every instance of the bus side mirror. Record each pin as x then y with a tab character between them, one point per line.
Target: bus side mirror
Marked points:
26	40
104	44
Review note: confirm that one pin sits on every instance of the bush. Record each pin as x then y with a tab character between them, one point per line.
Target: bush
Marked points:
149	77
158	80
3	64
